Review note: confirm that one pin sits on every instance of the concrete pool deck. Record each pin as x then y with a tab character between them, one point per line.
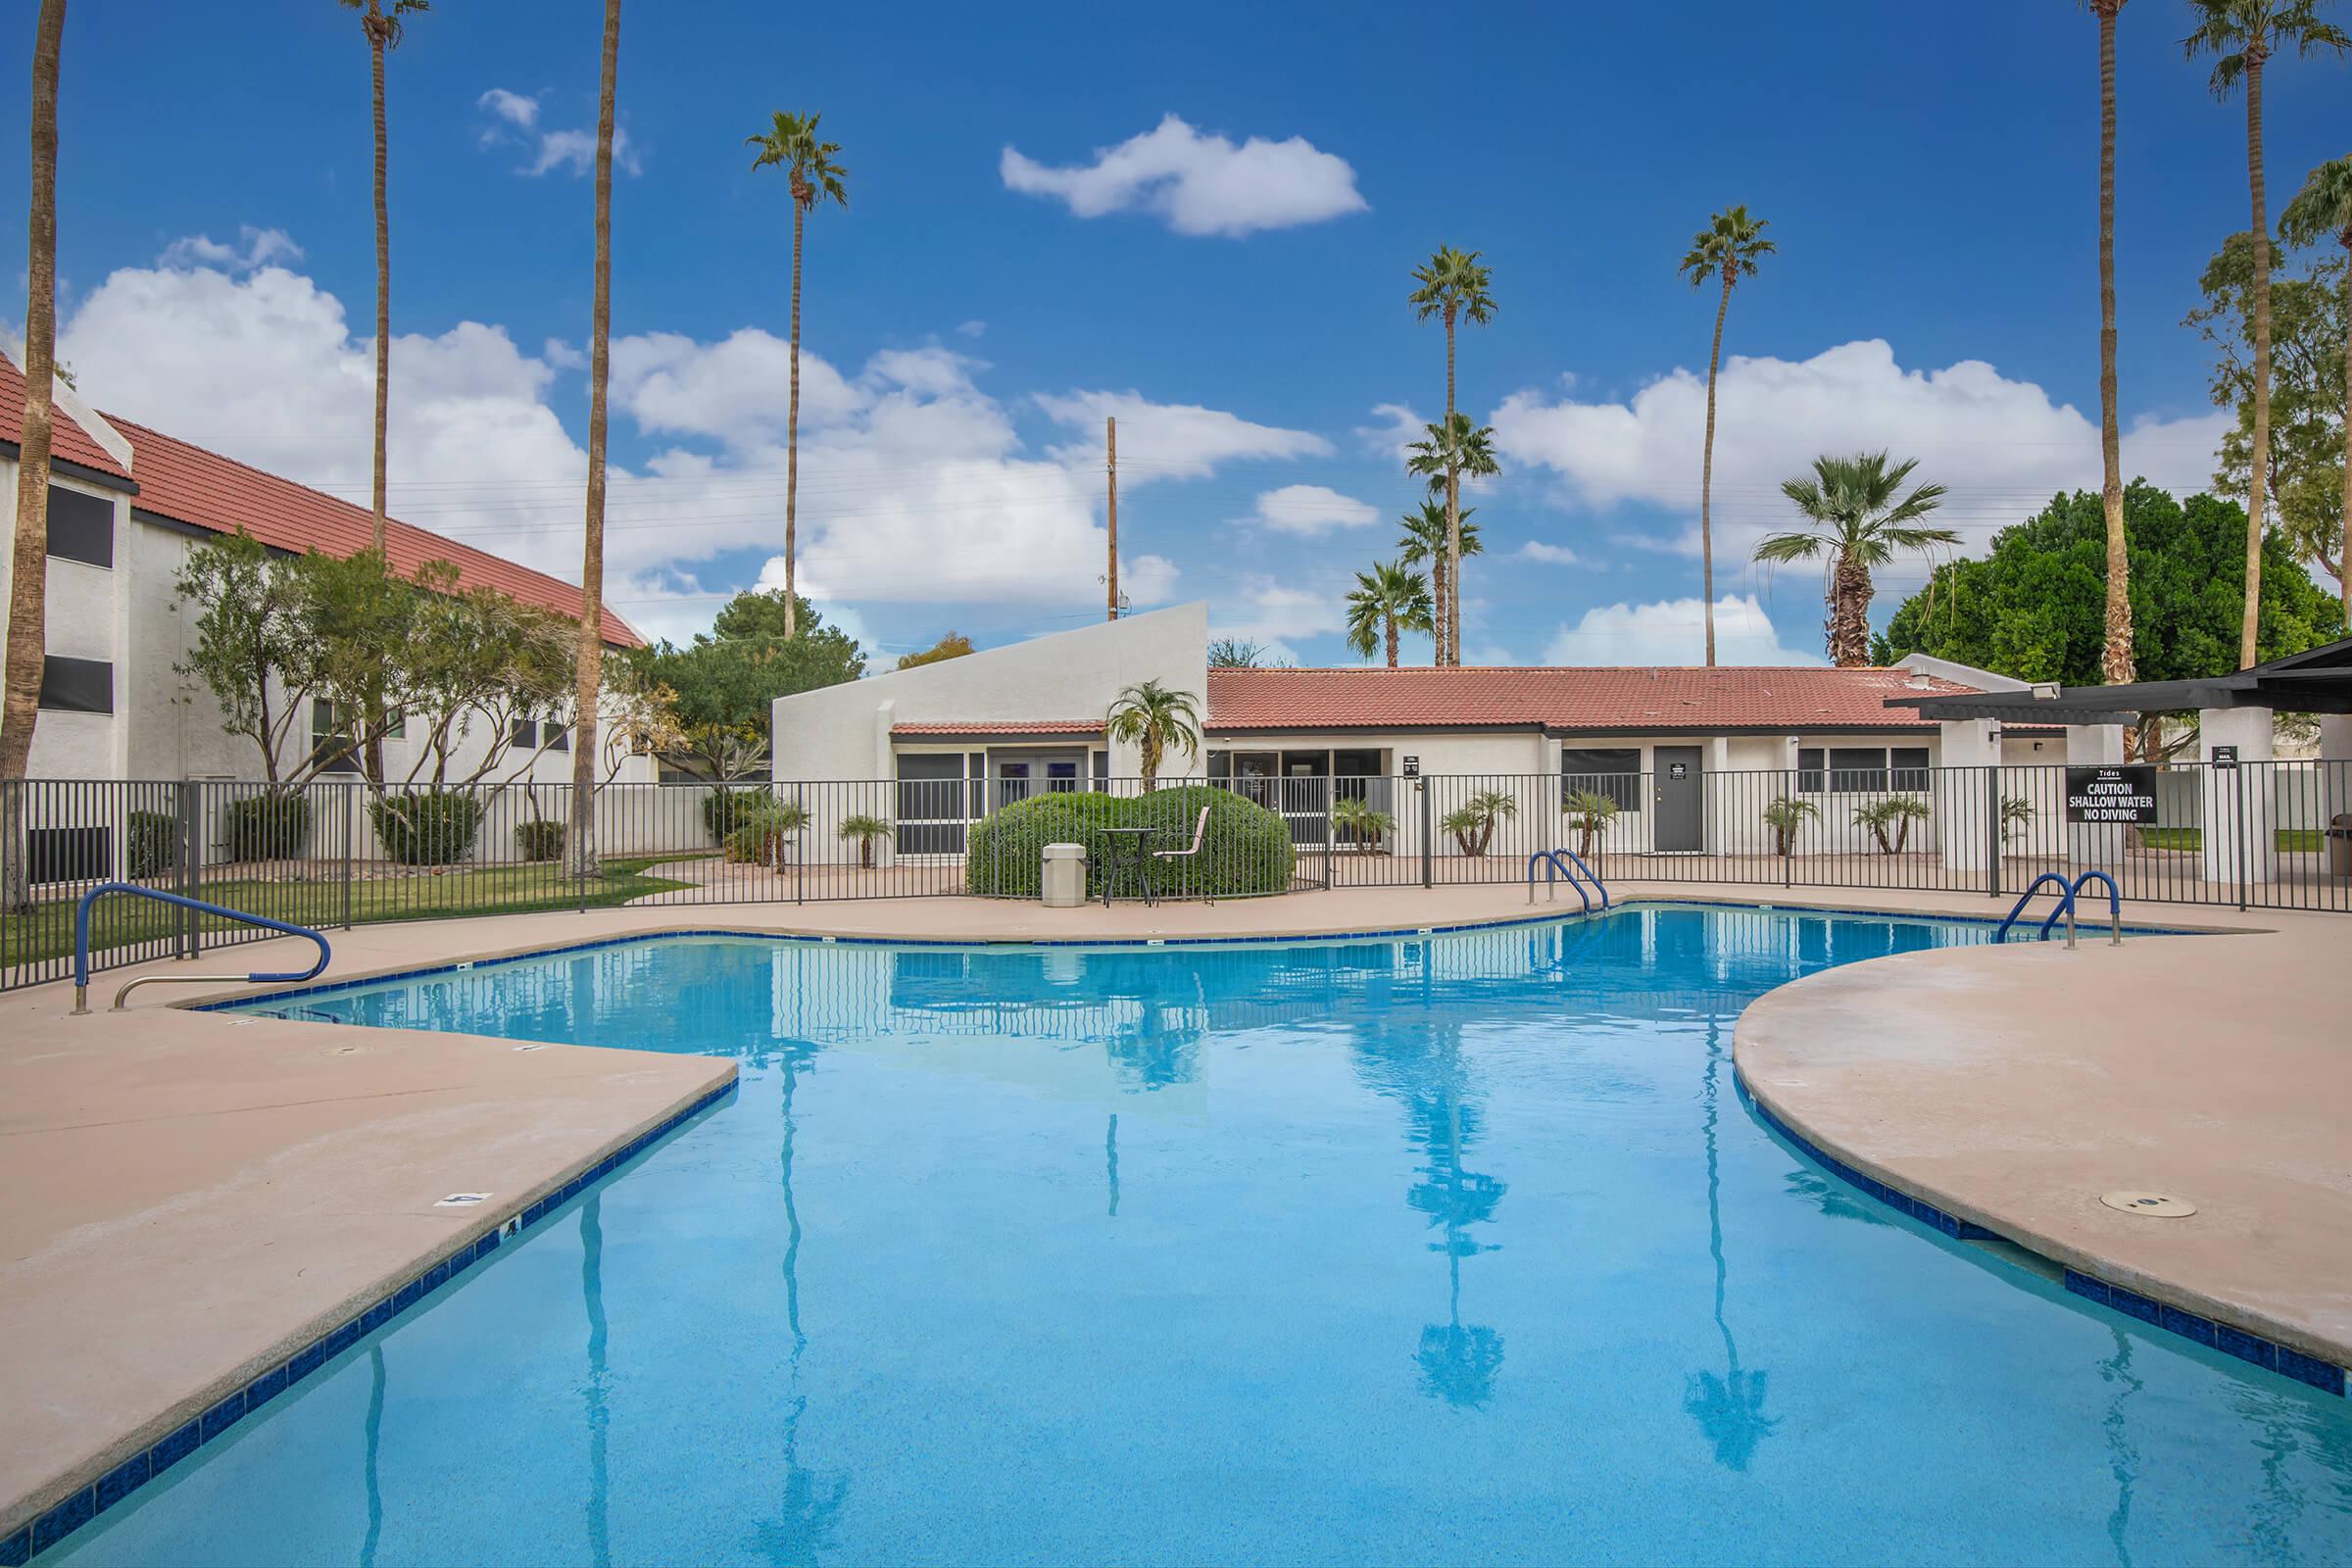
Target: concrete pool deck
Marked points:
195	1193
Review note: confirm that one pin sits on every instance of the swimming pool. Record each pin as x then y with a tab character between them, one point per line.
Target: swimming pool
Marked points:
1459	1247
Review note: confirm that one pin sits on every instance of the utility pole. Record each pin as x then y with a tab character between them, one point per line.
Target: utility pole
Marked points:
1111	436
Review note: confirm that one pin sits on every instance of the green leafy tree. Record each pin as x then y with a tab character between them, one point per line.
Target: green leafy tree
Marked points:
1241	653
1452	286
1728	248
954	645
791	143
1390	599
2242	36
1858	524
2318	518
2310	317
2033	608
759	648
1152	719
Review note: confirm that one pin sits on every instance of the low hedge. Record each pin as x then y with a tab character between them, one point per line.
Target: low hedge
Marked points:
266	827
729	807
1245	851
427	827
153	839
539	841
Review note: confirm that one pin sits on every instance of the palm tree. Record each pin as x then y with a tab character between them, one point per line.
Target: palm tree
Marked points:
2242	35
384	27
1442	456
791	144
582	833
1424	540
1726	248
2322	211
1388	599
1858	524
1452	286
1153	717
28	567
2115	662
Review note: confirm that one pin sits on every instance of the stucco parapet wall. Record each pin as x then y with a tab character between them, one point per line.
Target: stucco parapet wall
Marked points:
2010	1087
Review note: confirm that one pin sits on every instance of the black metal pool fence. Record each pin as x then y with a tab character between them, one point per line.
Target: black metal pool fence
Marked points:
2274	835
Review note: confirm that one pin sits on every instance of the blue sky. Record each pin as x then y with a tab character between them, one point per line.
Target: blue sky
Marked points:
1231	282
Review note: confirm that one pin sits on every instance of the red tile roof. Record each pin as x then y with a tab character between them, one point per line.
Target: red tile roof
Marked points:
1034	727
1611	700
188	484
67	442
205	490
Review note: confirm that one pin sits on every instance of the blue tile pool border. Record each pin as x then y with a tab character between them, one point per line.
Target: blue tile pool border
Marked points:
2213	1334
125	1480
261	1005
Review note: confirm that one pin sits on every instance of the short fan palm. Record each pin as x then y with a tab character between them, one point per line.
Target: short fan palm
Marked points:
1390	599
1859	522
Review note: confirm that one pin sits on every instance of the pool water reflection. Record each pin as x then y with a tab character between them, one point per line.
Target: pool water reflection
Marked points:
1453	1249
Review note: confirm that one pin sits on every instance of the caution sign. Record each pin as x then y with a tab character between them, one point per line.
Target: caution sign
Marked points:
2125	795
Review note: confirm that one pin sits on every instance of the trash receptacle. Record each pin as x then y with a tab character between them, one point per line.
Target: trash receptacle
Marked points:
2339	844
1065	876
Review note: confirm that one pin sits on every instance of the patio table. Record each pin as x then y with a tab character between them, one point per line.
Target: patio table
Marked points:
1132	856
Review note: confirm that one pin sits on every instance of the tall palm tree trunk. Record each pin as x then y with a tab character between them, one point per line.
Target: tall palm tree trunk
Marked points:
1849	613
2258	469
1707	471
792	432
1450	637
2343	538
581	835
1438	619
2115	663
28	567
1391	620
383	275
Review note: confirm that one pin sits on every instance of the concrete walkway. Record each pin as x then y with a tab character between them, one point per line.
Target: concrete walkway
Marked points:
195	1194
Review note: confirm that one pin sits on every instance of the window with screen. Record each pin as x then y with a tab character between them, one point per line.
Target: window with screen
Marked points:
77	685
931	797
1809	769
1909	766
82	528
1613	773
1857	769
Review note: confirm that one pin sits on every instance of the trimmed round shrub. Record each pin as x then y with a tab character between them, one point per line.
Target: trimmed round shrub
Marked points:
151	837
427	827
727	807
1245	851
539	841
266	827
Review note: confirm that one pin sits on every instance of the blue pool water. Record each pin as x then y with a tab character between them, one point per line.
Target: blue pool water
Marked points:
1454	1250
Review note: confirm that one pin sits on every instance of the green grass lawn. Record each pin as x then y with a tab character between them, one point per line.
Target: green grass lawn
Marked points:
2304	839
47	932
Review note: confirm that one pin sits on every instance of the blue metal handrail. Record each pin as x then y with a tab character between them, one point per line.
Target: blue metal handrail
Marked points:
1558	863
2066	901
81	941
2115	907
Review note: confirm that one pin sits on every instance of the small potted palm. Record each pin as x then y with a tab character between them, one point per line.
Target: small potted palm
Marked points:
864	831
1589	812
1784	816
1890	821
1361	823
1473	823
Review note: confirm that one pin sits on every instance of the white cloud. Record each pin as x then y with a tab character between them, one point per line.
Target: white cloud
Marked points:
1270	611
1674	632
515	123
1396	430
2002	446
1168	440
1311	509
562	356
913	486
255	248
972	328
1549	554
1198	184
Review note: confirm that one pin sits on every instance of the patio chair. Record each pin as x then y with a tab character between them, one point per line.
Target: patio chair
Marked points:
1191	850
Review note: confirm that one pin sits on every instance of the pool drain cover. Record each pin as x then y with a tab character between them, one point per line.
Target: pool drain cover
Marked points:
2155	1206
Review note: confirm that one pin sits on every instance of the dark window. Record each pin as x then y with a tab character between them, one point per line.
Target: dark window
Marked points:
1809	780
1220	764
70	854
1909	765
931	794
1857	769
1611	772
330	740
523	732
82	528
1101	768
77	685
559	737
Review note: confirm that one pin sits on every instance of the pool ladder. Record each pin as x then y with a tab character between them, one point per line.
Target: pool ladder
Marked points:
1558	863
82	944
2067	895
